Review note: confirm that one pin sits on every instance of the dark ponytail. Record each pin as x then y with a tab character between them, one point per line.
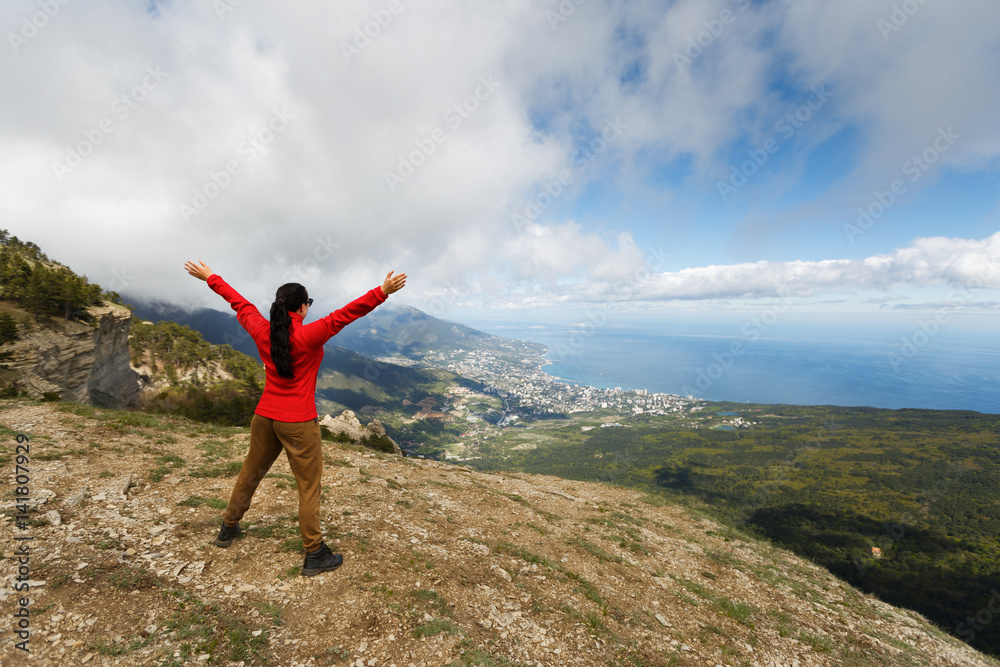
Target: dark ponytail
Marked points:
289	297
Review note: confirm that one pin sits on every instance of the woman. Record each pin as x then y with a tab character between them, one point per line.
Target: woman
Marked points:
286	414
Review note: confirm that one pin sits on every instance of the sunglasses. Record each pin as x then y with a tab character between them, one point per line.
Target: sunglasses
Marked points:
309	302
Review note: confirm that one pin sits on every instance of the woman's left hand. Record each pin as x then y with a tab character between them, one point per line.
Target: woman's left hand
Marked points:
200	272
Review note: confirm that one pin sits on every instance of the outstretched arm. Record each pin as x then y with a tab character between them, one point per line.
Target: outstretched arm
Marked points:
247	314
202	272
392	283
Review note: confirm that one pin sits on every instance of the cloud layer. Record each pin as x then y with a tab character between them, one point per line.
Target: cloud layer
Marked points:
330	143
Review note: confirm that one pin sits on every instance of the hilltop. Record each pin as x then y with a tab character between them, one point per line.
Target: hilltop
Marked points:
443	565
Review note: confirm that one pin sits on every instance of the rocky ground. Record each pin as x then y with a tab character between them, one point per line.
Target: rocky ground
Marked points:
443	565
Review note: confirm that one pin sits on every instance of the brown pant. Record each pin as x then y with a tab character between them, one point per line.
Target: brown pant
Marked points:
301	441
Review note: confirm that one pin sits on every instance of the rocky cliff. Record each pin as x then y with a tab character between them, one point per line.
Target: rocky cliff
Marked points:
348	424
80	362
442	565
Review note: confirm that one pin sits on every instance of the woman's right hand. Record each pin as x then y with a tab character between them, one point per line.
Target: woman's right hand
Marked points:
200	272
393	283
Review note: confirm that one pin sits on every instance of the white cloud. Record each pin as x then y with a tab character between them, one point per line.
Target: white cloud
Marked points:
963	264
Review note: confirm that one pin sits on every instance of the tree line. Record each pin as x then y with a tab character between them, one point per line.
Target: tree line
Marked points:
43	287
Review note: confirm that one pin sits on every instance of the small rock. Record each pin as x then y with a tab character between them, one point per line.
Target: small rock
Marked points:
53	518
73	501
502	573
123	487
662	620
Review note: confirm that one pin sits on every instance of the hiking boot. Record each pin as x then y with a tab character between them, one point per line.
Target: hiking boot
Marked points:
227	534
321	560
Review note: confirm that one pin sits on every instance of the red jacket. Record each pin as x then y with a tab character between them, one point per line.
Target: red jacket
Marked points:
293	399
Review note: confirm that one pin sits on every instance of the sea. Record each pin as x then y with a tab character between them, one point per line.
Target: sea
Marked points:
890	363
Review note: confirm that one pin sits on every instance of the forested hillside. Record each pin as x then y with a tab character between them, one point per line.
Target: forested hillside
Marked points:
833	484
44	287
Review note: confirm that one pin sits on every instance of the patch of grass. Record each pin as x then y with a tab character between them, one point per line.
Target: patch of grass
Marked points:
594	550
56	580
132	643
105	474
130	577
521	552
293	544
338	463
821	644
198	501
172	460
535	527
214	630
271	610
470	655
216	449
334	654
596	624
133	418
696	588
157	474
435	627
655	500
218	470
738	611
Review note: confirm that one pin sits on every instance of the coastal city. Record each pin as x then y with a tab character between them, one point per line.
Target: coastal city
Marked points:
513	372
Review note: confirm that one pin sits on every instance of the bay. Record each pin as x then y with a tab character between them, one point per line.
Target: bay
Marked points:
960	373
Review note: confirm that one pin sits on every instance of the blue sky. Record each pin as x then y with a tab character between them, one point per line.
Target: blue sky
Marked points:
517	159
